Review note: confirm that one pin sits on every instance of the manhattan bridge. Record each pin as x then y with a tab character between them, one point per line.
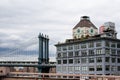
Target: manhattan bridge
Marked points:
25	56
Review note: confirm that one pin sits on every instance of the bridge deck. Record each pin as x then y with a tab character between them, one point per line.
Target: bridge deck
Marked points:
23	64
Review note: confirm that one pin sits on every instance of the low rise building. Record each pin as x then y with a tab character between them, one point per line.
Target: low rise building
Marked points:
4	71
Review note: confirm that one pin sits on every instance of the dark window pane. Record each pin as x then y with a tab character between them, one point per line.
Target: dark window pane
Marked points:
113	45
107	67
91	52
113	52
118	45
107	44
118	68
98	44
83	53
99	68
91	68
91	44
91	60
76	53
59	61
83	45
64	61
70	61
99	59
113	60
107	59
118	60
77	61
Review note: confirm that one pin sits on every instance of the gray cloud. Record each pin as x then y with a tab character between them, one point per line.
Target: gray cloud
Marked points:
21	20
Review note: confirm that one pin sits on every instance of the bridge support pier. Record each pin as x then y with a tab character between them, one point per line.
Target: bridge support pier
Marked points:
43	51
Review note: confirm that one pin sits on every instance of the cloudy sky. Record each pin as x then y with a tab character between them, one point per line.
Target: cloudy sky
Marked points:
22	20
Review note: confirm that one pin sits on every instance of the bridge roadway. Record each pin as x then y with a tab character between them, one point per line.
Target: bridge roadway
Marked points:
24	64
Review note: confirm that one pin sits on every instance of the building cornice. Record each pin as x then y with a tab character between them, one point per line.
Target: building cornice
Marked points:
71	41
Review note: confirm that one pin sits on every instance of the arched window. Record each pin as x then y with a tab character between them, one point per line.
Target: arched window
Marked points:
78	30
91	30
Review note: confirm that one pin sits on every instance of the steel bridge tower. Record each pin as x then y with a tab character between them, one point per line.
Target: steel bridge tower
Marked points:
43	53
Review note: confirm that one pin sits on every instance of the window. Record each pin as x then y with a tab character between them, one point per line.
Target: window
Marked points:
91	52
99	59
99	67
113	60
70	54
76	53
107	43
70	47
84	68
113	45
64	68
59	68
107	67
91	60
64	61
118	68
113	51
70	68
107	51
59	61
83	46
77	68
98	51
91	68
78	30
76	47
59	55
64	54
98	44
70	61
83	60
91	44
58	48
64	48
107	59
118	52
118	45
83	53
118	60
76	61
91	30
113	68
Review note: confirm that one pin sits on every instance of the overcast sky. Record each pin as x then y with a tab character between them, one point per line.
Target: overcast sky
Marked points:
22	20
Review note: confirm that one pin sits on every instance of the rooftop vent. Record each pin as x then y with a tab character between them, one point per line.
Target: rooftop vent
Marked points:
85	18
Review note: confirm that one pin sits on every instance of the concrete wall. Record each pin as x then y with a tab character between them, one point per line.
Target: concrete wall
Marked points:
17	79
34	79
4	71
52	70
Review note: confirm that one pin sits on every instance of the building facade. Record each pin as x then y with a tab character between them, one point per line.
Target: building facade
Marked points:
92	56
99	55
